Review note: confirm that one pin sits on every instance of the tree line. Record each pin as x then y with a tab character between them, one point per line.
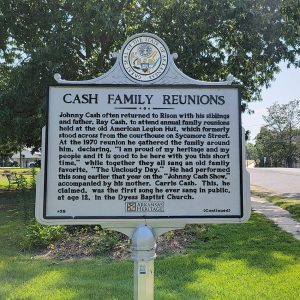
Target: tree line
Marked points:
278	142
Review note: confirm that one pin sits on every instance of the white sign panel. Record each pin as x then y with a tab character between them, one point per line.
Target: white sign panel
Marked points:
156	152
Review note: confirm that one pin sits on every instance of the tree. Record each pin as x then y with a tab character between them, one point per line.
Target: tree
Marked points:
269	150
251	152
6	151
76	38
279	139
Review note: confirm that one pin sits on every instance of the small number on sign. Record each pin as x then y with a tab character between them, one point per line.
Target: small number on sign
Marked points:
62	211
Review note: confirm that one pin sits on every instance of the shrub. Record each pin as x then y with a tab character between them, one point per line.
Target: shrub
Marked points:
21	182
33	178
105	242
41	236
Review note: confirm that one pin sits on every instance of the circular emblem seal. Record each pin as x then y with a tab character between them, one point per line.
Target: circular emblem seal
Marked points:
144	58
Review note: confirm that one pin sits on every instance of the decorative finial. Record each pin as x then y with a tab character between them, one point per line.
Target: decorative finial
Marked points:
114	54
230	78
57	77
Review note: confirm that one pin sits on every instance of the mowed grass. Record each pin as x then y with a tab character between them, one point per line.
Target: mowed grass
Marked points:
4	181
254	260
292	205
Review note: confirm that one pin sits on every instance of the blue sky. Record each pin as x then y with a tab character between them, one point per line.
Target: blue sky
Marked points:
285	88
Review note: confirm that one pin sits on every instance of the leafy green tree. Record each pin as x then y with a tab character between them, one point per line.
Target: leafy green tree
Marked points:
279	139
285	121
251	152
269	150
75	38
6	151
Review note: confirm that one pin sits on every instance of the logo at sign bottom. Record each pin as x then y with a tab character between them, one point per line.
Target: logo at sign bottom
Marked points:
144	206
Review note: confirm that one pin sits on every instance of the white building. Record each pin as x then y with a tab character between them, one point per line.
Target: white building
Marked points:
27	158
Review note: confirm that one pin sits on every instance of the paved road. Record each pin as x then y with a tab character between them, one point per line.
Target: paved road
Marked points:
278	180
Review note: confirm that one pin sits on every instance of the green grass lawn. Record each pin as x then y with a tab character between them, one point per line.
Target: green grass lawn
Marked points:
254	260
290	204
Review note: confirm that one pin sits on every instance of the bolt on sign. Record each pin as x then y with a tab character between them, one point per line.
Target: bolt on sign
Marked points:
143	143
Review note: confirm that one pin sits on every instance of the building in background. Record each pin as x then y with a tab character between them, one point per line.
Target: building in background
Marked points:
26	158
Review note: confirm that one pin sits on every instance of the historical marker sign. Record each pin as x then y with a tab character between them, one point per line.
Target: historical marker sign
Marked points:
145	150
127	152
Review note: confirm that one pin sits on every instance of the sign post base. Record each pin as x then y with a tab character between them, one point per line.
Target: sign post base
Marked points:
144	280
143	245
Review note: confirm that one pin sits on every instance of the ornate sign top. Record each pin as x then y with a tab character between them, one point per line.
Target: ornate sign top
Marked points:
144	59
